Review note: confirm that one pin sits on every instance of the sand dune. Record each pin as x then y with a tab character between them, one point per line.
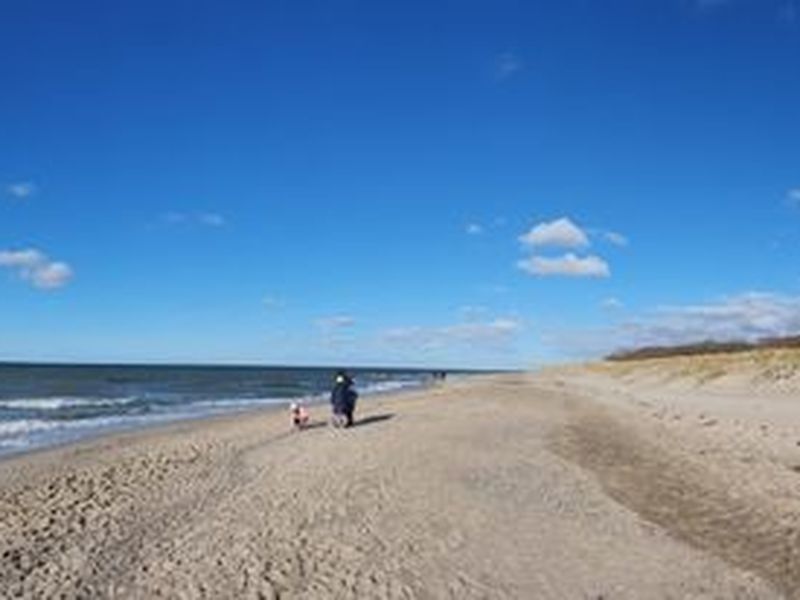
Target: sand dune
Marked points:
759	372
568	484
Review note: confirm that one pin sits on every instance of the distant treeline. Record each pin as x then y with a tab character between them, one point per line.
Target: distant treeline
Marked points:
707	347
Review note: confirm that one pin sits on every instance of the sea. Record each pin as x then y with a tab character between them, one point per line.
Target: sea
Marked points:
45	405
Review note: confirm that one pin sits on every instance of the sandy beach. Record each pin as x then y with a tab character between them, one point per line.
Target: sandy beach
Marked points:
605	481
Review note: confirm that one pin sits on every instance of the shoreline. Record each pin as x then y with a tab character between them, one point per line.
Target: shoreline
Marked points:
167	420
178	423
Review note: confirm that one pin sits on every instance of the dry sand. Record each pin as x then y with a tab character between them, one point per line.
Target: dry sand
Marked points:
576	483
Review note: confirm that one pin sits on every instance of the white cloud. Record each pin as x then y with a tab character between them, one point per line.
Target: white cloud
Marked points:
748	316
21	190
497	333
612	304
496	329
35	267
615	238
205	219
507	65
335	322
211	219
22	259
474	229
562	233
568	265
793	197
51	275
745	317
494	289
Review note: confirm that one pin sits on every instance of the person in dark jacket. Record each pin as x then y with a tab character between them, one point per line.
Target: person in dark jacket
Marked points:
343	400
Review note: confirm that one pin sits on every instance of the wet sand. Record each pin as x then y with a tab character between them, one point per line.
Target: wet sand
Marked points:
567	484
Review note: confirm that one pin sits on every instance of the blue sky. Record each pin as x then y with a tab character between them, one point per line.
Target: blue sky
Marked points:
466	183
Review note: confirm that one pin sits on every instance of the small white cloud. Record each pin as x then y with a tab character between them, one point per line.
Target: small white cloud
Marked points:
335	322
205	219
21	190
52	275
507	65
211	219
561	233
612	304
615	238
568	265
497	333
494	289
22	259
495	330
35	267
474	229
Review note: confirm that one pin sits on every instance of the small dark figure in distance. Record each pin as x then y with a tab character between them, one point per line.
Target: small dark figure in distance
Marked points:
439	376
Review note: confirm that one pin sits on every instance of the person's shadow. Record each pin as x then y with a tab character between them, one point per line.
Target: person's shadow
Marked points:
373	419
357	423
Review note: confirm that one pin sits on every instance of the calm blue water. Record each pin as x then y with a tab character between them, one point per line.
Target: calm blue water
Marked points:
44	405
